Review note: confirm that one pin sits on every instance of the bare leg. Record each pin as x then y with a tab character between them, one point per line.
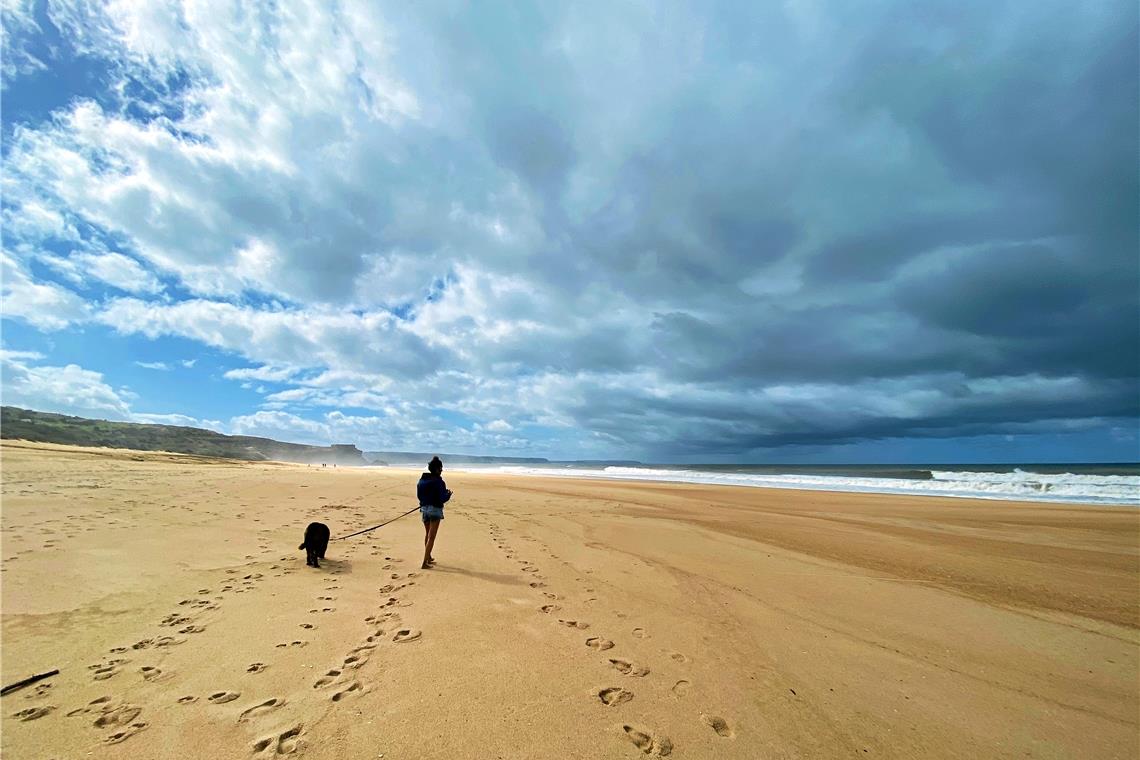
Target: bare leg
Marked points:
432	529
427	534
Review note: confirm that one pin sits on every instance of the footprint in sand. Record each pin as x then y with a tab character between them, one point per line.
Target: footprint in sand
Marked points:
548	608
127	733
221	697
33	713
285	743
647	742
537	584
99	704
264	707
151	673
285	644
41	690
354	689
599	643
307	625
530	569
187	700
681	688
718	724
575	624
357	660
103	671
628	668
117	716
327	679
256	667
614	696
678	657
192	629
405	635
640	633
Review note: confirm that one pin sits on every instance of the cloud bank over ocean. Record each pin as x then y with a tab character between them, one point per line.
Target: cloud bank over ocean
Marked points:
605	229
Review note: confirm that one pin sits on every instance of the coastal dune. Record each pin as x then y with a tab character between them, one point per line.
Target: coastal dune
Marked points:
565	618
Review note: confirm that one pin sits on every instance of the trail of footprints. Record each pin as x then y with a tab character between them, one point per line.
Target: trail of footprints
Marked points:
123	719
342	682
645	739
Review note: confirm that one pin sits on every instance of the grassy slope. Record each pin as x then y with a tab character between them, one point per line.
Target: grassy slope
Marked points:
57	428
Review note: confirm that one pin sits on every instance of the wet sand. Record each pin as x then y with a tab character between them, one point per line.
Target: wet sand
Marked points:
580	619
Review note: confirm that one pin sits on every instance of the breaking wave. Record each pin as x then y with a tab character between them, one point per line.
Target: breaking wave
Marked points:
1015	485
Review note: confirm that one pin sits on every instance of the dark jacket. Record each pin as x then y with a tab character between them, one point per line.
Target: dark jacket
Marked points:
432	491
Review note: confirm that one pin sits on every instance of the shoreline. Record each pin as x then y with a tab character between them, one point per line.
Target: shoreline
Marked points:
721	480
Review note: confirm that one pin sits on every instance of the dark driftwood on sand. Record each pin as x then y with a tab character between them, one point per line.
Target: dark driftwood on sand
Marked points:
26	681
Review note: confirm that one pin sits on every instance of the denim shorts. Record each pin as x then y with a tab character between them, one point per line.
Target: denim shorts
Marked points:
429	512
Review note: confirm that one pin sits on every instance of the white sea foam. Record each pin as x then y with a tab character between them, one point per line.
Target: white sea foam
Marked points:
1016	485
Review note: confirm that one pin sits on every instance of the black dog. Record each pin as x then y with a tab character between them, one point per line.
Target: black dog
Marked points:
315	543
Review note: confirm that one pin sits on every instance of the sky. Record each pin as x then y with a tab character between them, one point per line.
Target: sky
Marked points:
798	231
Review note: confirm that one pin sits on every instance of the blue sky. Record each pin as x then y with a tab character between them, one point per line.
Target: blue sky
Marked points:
808	231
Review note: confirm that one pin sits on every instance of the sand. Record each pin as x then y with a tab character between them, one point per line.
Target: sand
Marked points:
565	619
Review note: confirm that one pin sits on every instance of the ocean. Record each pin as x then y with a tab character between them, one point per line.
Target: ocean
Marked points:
1069	483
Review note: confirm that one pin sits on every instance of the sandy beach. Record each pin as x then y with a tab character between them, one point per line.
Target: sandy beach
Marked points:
565	618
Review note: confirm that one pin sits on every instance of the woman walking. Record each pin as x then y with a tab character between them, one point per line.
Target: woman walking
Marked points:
433	494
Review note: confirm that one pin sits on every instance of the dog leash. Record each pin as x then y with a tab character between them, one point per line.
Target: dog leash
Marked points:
374	527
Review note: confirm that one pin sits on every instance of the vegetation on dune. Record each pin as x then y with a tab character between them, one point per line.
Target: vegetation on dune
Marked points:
45	427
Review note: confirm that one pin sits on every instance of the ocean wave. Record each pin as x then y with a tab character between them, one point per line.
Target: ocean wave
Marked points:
1016	485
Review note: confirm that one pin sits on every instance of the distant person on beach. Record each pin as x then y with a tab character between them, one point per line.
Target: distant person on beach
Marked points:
433	494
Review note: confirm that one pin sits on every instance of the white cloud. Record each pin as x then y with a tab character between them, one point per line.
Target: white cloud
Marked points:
44	305
264	373
69	389
415	430
112	268
154	365
17	23
33	219
281	426
20	355
180	420
227	198
290	339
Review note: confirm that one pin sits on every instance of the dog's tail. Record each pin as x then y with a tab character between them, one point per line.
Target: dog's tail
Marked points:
302	546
